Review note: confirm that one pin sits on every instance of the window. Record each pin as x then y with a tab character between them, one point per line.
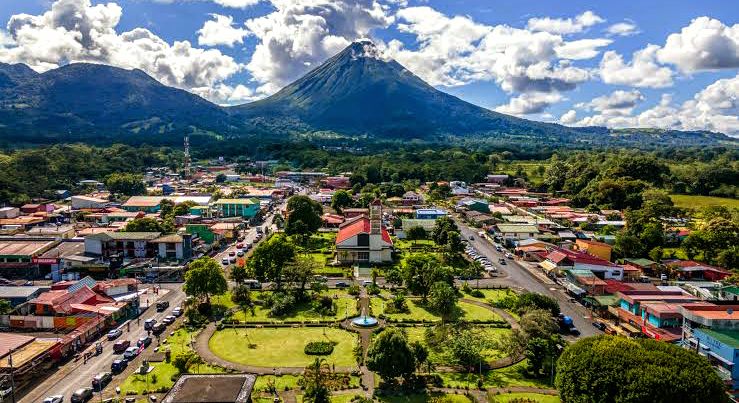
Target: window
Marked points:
363	240
362	255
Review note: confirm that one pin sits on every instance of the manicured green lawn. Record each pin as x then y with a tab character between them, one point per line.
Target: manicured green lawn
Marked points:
498	378
163	371
491	334
281	347
691	201
490	295
535	397
346	305
417	312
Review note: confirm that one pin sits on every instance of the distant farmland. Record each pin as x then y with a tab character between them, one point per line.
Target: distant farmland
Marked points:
689	201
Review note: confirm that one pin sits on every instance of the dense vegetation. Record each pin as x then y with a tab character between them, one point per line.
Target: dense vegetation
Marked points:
616	369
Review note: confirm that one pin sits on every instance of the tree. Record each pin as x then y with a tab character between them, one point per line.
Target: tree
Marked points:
204	278
185	360
390	355
183	208
239	274
537	339
303	216
299	272
5	307
628	245
316	378
144	224
466	347
420	353
532	300
341	200
270	257
415	233
618	369
241	296
166	208
443	300
125	184
220	178
421	271
444	225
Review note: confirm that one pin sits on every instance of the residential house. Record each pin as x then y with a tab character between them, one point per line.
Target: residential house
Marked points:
174	246
562	259
516	231
690	270
88	202
337	182
9	212
411	198
147	204
122	245
429	214
644	266
354	212
245	208
57	232
37	208
19	295
364	240
332	220
499	179
475	205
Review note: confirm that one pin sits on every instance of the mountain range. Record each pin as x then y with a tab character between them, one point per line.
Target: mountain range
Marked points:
358	93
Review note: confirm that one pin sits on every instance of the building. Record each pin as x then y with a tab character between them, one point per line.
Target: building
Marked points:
429	213
17	255
354	212
57	232
212	388
656	314
560	259
364	240
87	202
474	204
411	198
147	204
174	246
123	245
595	248
9	212
336	182
37	208
19	295
690	270
499	179
50	262
516	231
246	208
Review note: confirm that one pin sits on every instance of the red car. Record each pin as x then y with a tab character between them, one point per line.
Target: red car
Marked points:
232	253
240	245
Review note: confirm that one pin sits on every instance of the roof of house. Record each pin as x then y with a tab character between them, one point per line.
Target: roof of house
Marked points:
361	225
12	341
24	246
517	228
558	255
125	236
19	292
65	248
591	242
171	238
236	201
62	300
143	201
641	262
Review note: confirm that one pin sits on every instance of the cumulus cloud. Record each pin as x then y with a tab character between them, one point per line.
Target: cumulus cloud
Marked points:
220	31
224	94
626	28
616	103
582	49
705	44
529	103
714	108
565	25
568	117
236	3
76	31
641	71
457	50
299	34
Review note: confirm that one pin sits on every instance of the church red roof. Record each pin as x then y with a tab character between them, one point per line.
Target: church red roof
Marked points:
361	225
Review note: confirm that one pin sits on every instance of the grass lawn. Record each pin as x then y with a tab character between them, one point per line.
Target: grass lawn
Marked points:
417	312
489	333
346	305
498	378
405	245
532	397
281	347
490	295
163	371
691	201
289	382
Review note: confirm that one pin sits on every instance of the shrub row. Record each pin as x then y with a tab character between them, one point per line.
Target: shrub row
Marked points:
319	348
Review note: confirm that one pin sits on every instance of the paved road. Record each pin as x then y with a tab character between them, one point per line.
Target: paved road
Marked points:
518	276
75	375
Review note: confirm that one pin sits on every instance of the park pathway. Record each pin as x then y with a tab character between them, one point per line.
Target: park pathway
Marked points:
368	377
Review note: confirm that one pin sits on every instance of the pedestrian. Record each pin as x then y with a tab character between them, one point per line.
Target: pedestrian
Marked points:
128	326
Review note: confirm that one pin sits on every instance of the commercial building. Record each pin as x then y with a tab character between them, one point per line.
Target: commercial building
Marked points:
246	208
17	255
429	213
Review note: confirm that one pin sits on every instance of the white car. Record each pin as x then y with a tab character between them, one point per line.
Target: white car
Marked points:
224	261
509	255
54	399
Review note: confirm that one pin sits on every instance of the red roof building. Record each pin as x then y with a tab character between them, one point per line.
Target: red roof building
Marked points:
363	239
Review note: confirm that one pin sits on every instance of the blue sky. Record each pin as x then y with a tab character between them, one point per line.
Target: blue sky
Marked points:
669	64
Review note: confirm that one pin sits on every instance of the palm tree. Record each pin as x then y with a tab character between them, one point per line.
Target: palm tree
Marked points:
316	382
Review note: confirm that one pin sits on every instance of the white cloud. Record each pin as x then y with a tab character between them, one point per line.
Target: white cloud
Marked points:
626	28
565	25
529	103
568	117
642	71
299	34
5	39
705	44
582	49
715	108
616	103
236	3
457	50
76	31
220	31
224	94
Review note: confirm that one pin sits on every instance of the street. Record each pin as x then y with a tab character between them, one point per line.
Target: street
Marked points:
518	276
76	374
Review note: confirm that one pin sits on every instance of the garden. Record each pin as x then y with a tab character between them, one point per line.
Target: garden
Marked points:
272	307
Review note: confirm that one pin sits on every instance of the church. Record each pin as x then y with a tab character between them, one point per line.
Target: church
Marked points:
363	239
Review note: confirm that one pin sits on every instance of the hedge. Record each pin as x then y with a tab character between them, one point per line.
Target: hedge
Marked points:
319	348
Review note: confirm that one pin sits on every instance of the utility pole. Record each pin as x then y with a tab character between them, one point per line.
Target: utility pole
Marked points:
12	380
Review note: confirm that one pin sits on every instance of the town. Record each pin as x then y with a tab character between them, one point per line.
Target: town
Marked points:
206	284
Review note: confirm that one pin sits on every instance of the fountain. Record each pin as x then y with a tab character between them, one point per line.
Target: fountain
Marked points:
364	320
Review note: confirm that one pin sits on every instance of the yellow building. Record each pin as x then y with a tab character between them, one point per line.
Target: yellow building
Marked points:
595	248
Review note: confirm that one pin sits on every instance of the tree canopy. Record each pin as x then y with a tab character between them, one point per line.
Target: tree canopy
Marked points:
204	278
126	184
391	356
420	271
270	257
617	369
303	216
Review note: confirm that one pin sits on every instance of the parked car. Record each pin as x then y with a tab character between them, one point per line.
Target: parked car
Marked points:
114	334
81	395
366	283
240	253
177	311
54	399
162	306
130	353
509	255
321	279
471	238
232	260
121	346
342	284
240	245
101	380
168	320
600	326
224	261
158	328
118	366
232	253
143	340
149	323
253	284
